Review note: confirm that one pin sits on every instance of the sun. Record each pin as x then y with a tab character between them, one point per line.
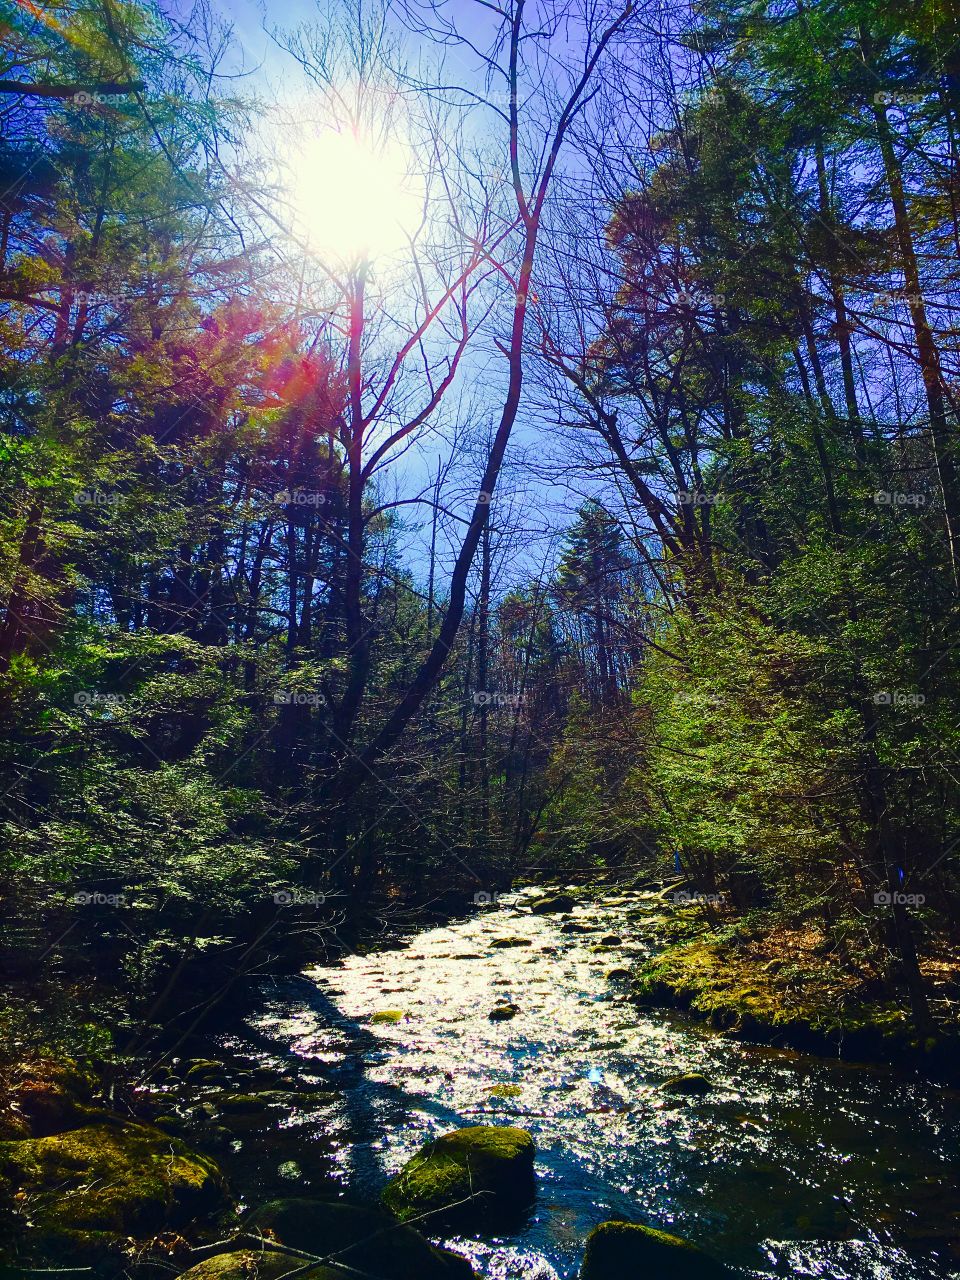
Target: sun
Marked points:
352	199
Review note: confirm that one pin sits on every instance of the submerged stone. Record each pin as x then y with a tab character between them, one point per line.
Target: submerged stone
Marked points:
257	1264
625	1251
366	1240
693	1084
473	1176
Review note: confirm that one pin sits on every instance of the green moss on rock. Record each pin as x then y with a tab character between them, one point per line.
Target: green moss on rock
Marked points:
390	1016
488	1166
554	904
127	1179
256	1264
367	1240
626	1251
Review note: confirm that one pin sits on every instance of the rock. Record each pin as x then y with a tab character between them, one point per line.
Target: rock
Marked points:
553	904
500	943
503	1012
611	940
572	927
614	975
241	1103
506	1091
388	1016
255	1264
366	1239
624	1251
206	1071
692	1085
128	1179
48	1097
488	1166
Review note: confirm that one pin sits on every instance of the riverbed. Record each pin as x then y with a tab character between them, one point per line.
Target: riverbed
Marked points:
791	1166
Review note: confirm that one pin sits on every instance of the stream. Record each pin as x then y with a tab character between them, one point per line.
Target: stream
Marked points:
792	1166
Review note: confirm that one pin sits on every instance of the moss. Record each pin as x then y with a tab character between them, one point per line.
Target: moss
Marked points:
506	1091
501	943
488	1166
256	1264
617	1250
367	1240
129	1179
388	1016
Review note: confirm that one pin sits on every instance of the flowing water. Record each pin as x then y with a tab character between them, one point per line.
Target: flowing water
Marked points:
792	1166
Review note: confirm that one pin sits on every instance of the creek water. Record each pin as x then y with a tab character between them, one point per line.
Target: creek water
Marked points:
792	1166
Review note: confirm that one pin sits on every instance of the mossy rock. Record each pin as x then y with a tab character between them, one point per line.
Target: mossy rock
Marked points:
128	1179
506	1091
624	1251
503	1012
554	904
611	939
692	1085
206	1071
256	1264
388	1017
48	1097
501	943
368	1240
488	1166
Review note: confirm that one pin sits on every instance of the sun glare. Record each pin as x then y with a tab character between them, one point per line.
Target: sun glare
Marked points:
350	199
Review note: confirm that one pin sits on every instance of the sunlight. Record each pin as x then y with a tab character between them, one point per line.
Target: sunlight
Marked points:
351	199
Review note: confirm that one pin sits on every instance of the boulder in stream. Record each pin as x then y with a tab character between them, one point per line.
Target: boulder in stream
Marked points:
627	1251
474	1177
553	904
692	1085
367	1240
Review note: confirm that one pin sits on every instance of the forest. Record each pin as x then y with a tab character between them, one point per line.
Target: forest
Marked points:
463	464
